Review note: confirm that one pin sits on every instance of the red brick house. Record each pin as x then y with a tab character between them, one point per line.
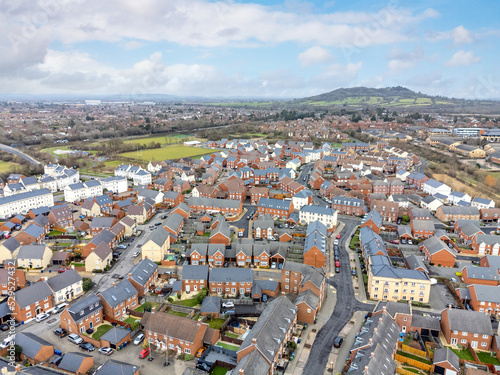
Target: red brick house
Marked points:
194	278
480	275
275	207
118	299
61	216
82	315
388	210
230	282
422	228
257	192
144	276
485	298
437	252
31	301
464	327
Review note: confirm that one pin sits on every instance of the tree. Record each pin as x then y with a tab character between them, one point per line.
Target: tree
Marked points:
490	181
87	284
17	352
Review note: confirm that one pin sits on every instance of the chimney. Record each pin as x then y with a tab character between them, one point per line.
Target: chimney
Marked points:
130	274
373	354
241	371
254	340
114	284
449	307
370	341
375	330
4	370
384	308
366	370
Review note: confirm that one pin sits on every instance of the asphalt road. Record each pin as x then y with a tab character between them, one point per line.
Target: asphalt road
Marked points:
14	151
346	305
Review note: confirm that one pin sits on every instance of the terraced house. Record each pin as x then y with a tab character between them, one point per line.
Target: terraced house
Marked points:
230	282
348	206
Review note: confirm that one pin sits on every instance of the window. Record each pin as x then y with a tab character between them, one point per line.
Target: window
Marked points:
28	314
476	335
485	336
455	332
463	341
464	333
187	351
97	319
483	344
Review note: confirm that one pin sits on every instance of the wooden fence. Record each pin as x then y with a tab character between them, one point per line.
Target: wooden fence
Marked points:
402	371
232	340
417	352
413	362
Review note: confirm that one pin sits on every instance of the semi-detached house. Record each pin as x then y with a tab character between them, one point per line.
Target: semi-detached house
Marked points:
117	299
230	282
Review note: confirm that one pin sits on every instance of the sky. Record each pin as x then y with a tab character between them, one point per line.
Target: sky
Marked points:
251	49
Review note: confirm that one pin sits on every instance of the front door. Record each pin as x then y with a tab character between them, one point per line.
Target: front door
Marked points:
91	325
195	288
454	341
188	288
474	344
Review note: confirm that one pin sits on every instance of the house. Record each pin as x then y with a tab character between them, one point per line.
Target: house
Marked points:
35	349
221	233
143	276
315	244
302	198
445	359
298	277
129	224
257	192
22	203
275	207
194	278
417	179
112	367
229	207
157	246
174	224
61	216
197	254
31	234
434	187
66	286
457	196
480	275
389	283
372	220
467	230
117	299
348	206
183	335
308	305
415	262
464	327
210	307
431	203
82	315
422	228
172	199
82	190
31	301
230	281
90	208
99	259
482	203
416	213
77	363
216	255
261	255
244	254
486	244
388	210
34	256
437	252
453	213
325	215
263	227
116	338
265	343
100	223
489	215
115	184
485	298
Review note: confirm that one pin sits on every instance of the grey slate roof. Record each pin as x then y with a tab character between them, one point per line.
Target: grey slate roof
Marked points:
119	293
469	321
30	343
11	244
276	204
374	216
456	210
415	262
211	304
231	274
35	292
488	239
31	251
427	322
482	273
320	210
382	267
88	305
112	367
143	270
63	280
115	335
426	225
486	293
435	245
160	236
190	272
271	327
446	355
72	361
309	298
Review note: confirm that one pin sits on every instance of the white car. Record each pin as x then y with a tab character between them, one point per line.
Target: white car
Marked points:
138	340
273	265
409	242
336	242
59	308
228	304
5	343
105	350
41	317
136	254
75	339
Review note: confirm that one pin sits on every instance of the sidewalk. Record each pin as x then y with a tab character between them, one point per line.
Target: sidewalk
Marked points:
297	366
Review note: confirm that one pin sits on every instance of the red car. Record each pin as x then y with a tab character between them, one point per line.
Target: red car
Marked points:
338	236
394	241
144	353
7	236
62	270
337	263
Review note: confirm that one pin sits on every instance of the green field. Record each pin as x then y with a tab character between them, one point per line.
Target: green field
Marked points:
7	166
162	139
169	152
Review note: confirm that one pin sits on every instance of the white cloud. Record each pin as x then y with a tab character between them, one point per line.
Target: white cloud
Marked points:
337	75
459	35
401	59
314	55
133	44
462	58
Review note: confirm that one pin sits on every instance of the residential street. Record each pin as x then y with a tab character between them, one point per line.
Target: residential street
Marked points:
346	305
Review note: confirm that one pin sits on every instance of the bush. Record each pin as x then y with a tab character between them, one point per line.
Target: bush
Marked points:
87	284
147	306
186	357
96	271
170	299
292	344
201	295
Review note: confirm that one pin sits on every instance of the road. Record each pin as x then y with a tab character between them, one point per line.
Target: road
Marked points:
21	154
346	305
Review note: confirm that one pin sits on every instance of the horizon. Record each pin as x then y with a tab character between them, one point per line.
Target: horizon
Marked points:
226	49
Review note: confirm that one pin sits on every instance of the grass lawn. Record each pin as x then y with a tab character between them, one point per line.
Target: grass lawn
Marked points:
141	308
130	320
416	357
464	354
412	369
215	323
162	139
169	152
192	302
55	233
231	334
6	166
172	312
219	371
227	346
101	330
485	357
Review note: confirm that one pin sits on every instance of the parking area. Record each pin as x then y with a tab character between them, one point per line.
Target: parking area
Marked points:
440	297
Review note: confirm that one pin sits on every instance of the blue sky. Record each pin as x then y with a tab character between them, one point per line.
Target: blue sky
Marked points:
277	49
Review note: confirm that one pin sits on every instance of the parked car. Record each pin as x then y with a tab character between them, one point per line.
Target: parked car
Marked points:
122	246
60	332
144	353
338	341
337	269
394	241
105	350
337	263
4	327
354	272
59	308
6	342
139	339
41	317
336	242
230	312
87	346
410	242
200	351
264	297
339	236
203	367
135	254
62	270
403	241
74	338
273	265
228	304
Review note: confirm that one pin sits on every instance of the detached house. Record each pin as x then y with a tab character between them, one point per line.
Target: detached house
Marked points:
34	256
437	252
117	299
157	246
66	286
82	315
61	216
464	327
143	276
